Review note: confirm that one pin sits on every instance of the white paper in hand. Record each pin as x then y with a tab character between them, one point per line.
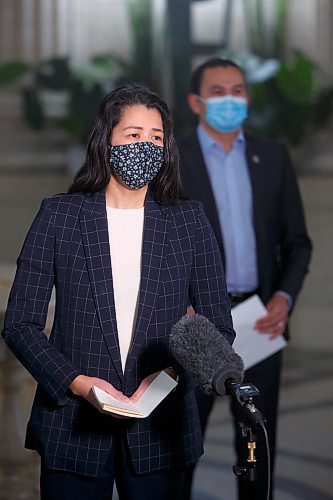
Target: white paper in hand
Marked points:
251	345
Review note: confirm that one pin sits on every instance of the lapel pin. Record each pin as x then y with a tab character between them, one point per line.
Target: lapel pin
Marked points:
255	159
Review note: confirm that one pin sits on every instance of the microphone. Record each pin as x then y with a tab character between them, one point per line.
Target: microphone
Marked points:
207	356
204	352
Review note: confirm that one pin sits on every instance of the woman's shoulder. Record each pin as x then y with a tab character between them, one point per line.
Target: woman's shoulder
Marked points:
63	201
186	213
188	208
61	208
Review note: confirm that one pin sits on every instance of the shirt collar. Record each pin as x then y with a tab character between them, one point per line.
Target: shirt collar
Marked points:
207	143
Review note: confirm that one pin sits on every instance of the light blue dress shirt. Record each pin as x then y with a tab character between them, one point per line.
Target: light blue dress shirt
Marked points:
231	185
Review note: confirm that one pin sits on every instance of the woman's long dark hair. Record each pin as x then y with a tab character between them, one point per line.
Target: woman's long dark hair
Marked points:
95	173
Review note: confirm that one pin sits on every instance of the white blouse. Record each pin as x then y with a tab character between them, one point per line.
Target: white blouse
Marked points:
125	236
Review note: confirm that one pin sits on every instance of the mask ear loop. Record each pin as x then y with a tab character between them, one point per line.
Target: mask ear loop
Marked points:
109	154
201	101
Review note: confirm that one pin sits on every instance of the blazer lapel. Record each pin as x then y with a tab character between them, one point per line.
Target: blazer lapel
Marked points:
95	236
255	171
256	166
204	190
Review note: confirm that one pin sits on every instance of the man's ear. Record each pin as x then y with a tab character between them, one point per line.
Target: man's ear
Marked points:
247	97
194	103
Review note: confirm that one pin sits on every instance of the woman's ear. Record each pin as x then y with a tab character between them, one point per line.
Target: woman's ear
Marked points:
195	104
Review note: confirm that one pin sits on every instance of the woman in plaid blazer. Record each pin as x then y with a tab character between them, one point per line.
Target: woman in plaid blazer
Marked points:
80	244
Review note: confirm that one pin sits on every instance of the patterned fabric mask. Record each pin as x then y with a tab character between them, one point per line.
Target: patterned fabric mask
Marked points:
137	163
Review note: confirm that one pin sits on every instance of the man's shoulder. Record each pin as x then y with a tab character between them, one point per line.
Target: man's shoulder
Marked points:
190	139
264	143
187	140
190	152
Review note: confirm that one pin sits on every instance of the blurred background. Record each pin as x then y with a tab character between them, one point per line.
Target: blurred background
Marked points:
57	60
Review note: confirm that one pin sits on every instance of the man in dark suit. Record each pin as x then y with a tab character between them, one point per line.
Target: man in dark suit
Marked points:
250	194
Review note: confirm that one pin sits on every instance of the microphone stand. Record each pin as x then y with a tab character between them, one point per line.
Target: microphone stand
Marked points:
244	394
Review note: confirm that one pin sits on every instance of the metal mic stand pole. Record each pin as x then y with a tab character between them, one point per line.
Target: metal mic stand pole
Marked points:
248	471
244	394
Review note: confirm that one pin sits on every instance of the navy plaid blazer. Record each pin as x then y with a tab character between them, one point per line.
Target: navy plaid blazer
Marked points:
67	247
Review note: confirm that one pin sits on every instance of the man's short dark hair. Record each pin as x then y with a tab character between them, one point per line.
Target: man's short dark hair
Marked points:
213	62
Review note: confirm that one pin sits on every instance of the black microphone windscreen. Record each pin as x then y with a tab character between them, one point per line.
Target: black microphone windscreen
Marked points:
205	353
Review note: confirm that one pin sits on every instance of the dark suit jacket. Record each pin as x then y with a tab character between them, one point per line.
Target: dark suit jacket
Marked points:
283	245
68	246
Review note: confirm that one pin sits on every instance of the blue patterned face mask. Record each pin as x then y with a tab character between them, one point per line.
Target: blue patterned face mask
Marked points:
137	163
227	113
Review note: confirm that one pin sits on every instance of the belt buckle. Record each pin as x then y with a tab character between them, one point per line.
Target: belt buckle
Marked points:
237	295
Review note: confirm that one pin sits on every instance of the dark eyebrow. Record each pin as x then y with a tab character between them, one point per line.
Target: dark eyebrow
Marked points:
214	87
136	127
133	126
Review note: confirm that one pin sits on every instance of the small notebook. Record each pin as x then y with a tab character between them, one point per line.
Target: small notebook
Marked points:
161	386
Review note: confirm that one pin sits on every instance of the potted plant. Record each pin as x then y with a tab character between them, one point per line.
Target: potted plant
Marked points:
287	100
291	97
55	94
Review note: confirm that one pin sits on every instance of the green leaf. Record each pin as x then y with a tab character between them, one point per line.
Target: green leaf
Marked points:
99	70
296	80
11	72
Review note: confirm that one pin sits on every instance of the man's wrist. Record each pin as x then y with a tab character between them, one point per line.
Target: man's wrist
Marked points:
287	296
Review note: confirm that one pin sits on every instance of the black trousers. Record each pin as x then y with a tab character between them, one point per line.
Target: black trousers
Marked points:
266	376
164	485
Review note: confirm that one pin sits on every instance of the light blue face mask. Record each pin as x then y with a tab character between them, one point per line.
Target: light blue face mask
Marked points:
226	113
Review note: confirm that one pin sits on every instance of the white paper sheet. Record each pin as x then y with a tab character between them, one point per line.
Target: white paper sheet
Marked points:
153	395
251	345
